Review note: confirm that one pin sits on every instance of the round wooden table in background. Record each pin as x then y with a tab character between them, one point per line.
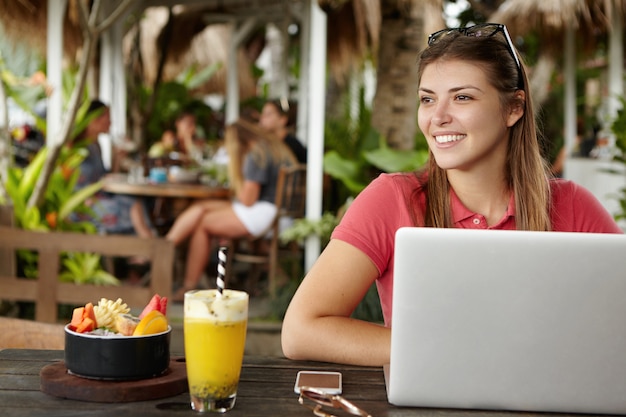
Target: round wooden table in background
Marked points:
119	184
170	198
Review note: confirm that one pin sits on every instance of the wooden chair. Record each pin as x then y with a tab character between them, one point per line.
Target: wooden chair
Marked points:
262	252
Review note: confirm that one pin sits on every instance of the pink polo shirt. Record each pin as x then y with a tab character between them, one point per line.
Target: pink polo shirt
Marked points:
378	211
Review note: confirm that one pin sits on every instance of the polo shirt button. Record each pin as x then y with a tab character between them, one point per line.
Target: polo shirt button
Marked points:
476	221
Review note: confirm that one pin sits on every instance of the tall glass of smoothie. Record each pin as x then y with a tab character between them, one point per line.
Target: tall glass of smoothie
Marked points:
215	336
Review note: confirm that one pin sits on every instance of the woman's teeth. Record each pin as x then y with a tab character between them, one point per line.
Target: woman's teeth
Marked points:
448	138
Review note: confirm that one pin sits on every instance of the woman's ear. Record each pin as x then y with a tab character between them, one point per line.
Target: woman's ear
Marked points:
516	111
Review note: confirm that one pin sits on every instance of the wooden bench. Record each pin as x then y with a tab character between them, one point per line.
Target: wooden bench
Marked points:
28	334
47	292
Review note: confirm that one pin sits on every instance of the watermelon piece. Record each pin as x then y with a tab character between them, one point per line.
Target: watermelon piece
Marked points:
163	306
156	303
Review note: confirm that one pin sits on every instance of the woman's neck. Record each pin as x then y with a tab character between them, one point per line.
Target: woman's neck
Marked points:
281	132
91	135
488	195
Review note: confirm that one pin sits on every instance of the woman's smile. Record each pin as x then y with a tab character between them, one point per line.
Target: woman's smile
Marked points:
448	138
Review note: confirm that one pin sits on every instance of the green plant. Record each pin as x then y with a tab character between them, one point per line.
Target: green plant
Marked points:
27	94
619	129
176	96
303	228
356	152
353	173
61	200
85	268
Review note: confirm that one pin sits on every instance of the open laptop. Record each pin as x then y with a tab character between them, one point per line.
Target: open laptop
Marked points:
509	320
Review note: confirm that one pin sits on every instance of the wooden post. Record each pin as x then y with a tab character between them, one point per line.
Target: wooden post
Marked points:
46	303
7	256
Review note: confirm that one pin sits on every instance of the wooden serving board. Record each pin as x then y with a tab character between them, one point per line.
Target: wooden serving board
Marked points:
56	381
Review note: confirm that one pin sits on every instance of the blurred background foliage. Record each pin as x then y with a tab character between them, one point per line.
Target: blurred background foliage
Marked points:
355	152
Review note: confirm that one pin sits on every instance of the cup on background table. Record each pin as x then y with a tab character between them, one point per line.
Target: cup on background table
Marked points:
158	175
136	174
215	336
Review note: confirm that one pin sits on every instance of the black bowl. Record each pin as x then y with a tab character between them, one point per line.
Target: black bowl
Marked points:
117	357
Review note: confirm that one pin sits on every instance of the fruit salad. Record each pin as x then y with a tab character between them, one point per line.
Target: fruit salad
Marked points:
114	318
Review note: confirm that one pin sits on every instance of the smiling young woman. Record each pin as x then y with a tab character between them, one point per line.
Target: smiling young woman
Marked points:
485	171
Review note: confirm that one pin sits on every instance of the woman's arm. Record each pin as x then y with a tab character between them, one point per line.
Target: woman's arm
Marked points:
317	325
249	193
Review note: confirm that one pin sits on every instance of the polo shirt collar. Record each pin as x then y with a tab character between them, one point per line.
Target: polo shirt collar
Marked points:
460	213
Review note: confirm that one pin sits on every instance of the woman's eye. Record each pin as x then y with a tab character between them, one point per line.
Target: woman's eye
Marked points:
425	99
462	97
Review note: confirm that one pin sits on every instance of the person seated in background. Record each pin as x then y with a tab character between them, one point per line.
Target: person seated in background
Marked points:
180	144
164	146
114	213
254	164
278	117
186	140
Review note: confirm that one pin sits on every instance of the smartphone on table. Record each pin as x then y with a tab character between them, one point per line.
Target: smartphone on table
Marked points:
329	382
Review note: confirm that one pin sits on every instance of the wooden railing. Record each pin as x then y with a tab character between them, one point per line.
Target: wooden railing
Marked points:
47	292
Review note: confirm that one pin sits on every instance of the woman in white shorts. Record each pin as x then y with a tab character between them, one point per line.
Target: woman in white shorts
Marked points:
255	158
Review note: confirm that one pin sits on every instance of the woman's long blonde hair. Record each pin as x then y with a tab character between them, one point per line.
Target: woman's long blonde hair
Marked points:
242	137
526	170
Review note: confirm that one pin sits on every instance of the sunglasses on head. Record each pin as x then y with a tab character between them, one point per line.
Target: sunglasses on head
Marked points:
484	30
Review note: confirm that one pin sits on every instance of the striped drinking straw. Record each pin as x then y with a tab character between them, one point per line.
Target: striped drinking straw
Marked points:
221	269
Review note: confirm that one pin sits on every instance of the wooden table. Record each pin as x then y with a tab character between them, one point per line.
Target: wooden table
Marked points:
266	389
119	184
170	198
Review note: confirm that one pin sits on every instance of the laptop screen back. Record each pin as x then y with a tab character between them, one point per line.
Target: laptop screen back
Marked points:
509	320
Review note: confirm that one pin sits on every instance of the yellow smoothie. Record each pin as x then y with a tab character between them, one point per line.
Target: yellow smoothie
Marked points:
215	352
215	337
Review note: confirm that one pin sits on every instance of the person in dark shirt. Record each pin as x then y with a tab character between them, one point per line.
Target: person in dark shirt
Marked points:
278	117
113	213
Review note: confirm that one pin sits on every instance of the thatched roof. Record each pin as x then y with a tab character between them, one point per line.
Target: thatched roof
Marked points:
26	21
205	47
589	18
522	16
353	30
353	25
